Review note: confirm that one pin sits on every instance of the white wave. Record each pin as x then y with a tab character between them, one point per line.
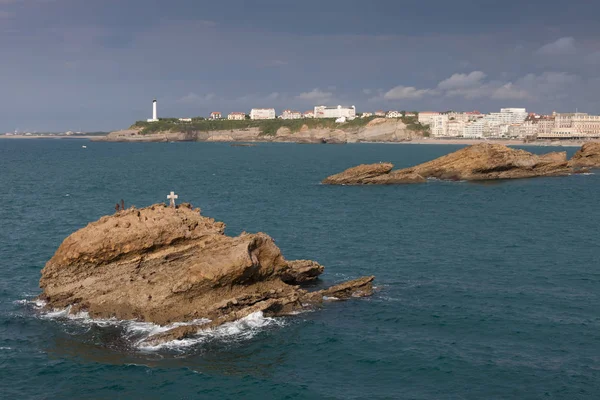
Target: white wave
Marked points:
36	303
138	332
148	329
332	298
242	329
5	348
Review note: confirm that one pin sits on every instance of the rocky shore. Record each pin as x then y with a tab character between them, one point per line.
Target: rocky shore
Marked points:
474	163
163	265
377	130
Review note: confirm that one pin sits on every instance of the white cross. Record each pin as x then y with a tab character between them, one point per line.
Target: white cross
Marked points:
172	197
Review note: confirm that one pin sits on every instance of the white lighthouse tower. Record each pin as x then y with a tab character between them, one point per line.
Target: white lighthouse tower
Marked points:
154	112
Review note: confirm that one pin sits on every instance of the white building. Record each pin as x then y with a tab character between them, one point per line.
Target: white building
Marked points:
582	123
366	115
439	125
507	116
527	128
380	113
185	120
455	128
475	130
393	114
409	114
496	124
262	113
291	114
308	114
426	117
215	115
154	112
237	116
335	112
545	125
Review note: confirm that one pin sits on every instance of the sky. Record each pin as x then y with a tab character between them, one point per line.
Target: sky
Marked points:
96	65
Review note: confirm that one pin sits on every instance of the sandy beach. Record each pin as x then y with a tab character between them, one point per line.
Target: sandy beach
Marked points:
506	142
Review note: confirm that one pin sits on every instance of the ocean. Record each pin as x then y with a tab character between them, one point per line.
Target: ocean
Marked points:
484	291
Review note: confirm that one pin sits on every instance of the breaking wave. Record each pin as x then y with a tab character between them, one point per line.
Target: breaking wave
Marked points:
136	333
242	329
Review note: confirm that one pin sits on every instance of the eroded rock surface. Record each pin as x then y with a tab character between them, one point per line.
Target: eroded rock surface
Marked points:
478	162
360	174
163	265
587	156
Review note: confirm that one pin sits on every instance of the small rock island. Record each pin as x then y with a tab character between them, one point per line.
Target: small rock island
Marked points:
171	264
478	162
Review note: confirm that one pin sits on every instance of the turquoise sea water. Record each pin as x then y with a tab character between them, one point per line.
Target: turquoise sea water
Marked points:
486	291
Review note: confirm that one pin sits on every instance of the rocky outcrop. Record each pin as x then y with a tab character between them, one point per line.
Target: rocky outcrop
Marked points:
163	265
478	162
587	156
360	174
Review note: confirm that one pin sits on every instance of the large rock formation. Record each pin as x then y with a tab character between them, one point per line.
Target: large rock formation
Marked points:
478	162
161	264
587	156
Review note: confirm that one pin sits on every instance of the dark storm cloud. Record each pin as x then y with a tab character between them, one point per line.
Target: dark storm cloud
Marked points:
73	64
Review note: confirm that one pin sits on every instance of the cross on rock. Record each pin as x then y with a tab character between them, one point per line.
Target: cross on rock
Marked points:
172	197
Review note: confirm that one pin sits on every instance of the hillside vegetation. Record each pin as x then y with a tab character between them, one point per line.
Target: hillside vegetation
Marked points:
267	127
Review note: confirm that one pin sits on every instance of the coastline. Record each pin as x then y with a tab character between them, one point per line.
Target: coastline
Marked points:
44	137
420	141
506	142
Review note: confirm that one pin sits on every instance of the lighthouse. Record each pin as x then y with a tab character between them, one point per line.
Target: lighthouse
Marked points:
154	112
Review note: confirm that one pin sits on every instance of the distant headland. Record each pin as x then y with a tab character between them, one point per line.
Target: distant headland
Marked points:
342	124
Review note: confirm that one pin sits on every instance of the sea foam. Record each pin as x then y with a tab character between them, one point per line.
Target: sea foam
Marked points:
242	329
137	333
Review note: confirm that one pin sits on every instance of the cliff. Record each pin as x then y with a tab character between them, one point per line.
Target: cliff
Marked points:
376	130
163	265
473	163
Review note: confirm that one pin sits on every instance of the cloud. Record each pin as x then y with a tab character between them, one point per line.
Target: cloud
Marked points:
316	96
544	86
474	86
405	92
509	91
549	85
273	96
459	81
562	46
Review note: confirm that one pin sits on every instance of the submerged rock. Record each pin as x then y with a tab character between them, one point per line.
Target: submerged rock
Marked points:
161	264
587	156
478	162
